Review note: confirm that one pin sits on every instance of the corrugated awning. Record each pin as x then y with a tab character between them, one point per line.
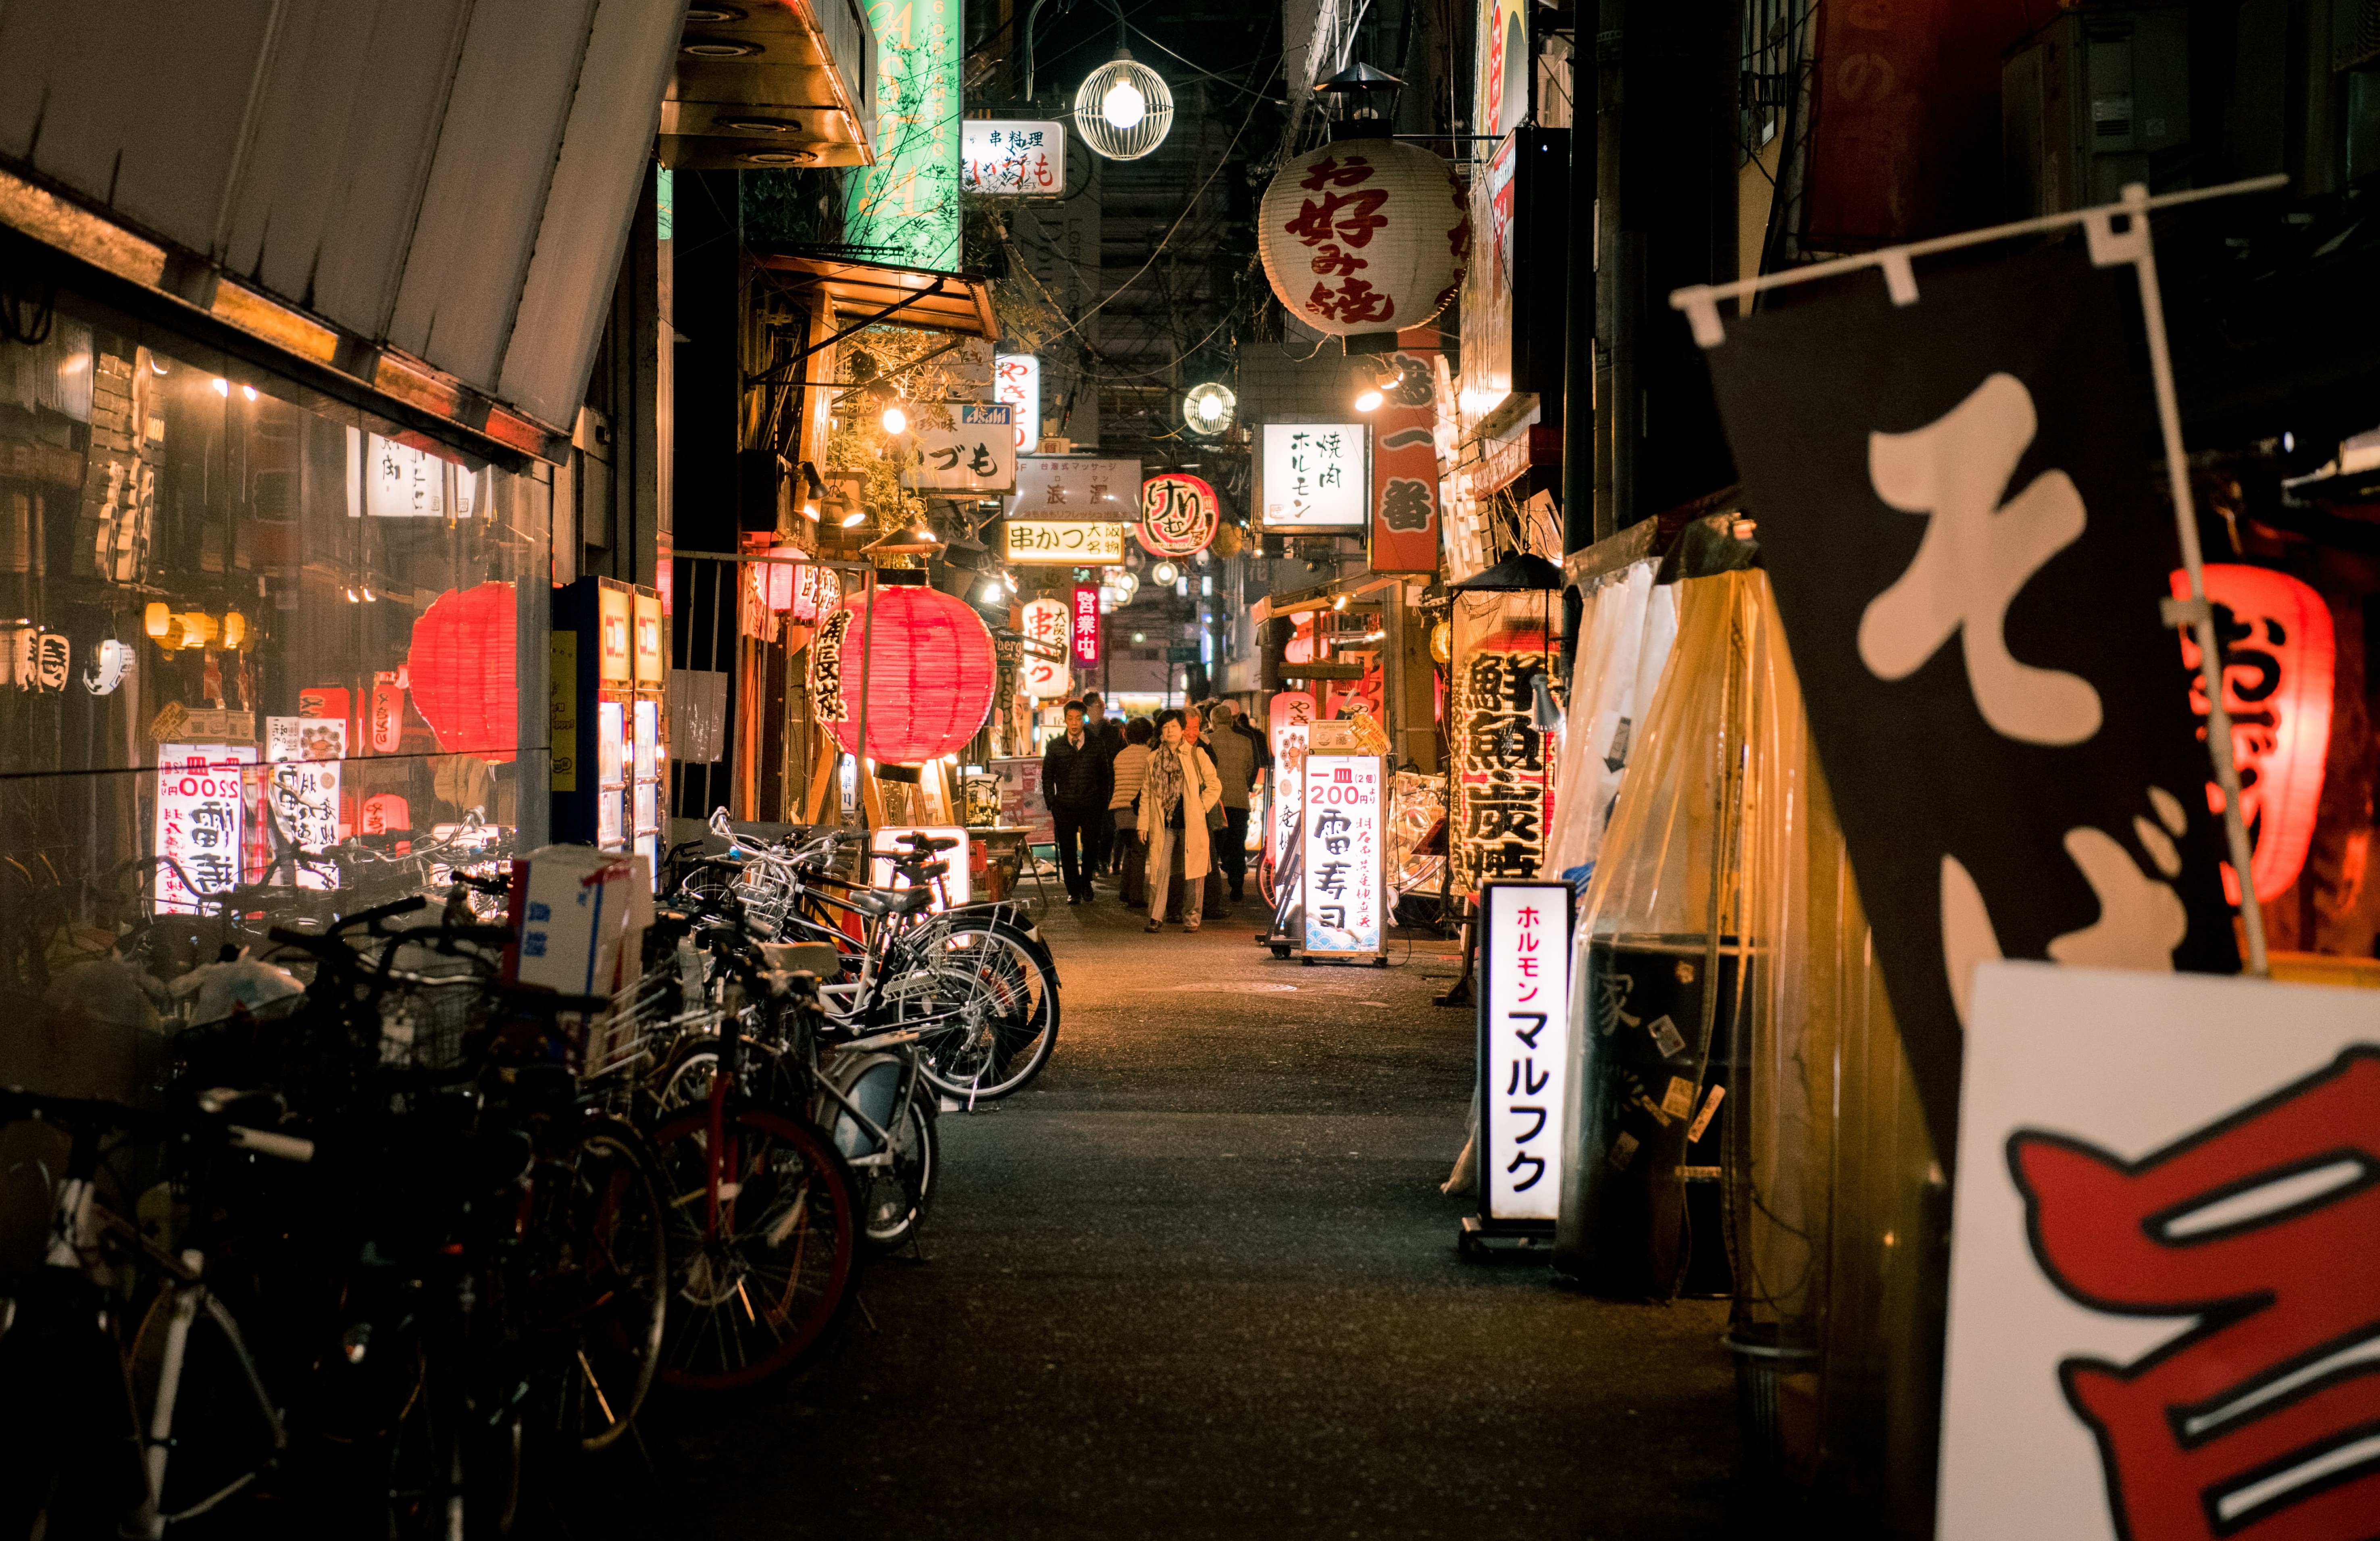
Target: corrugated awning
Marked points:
934	301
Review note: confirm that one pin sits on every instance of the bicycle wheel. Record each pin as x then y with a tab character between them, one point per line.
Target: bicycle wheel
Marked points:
764	1237
894	1176
596	1284
987	1007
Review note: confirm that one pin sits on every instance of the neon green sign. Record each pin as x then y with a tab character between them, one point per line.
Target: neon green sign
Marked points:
906	205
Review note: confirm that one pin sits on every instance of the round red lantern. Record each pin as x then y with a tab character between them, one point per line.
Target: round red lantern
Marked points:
1178	515
1366	234
928	667
2279	655
461	670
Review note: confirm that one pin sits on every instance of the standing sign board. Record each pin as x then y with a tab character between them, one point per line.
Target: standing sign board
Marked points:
975	453
1345	848
1316	477
884	844
1523	1052
201	819
1021	803
2165	1263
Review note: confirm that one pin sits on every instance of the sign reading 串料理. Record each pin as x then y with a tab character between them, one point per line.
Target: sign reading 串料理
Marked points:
1344	887
1315	476
1012	156
1524	1047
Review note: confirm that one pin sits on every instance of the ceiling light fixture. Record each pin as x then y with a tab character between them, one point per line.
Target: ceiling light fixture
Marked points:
758	124
717	48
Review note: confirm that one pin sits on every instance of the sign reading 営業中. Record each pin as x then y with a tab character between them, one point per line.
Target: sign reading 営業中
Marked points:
1015	156
975	453
200	818
1315	476
1344	886
1016	384
1072	543
1086	624
2165	1260
1524	1048
908	202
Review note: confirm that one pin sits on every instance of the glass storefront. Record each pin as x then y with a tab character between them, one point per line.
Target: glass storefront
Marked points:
260	653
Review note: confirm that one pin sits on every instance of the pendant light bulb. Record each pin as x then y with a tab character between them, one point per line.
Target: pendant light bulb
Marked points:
896	420
1123	106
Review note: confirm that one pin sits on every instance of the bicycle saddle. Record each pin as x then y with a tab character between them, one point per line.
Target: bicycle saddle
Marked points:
918	840
875	902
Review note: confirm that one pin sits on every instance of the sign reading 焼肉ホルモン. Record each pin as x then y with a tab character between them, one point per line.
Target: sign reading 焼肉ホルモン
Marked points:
1315	476
1523	1049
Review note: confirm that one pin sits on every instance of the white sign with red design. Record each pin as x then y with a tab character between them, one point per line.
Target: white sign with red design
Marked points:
1314	476
1016	384
1290	721
301	792
200	817
1049	643
1346	887
2165	1261
1014	156
1524	1048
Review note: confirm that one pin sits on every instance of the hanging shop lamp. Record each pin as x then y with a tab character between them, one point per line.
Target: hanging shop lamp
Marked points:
1178	513
2278	659
1123	108
1207	408
462	673
1364	234
926	663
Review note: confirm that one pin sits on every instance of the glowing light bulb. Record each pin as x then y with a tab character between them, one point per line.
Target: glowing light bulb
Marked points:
1210	408
222	386
1367	402
249	391
896	420
851	519
1123	106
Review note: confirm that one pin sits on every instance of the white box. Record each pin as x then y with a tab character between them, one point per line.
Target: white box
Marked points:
578	918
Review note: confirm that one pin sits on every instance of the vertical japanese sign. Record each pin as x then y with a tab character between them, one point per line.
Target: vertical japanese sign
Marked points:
200	820
1524	1048
2165	1264
906	205
1012	156
1487	287
1314	476
301	791
1503	766
1087	625
1291	721
1405	470
1050	644
1016	384
1344	881
1968	564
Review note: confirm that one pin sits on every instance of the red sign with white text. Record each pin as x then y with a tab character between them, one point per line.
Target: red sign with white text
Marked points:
1087	625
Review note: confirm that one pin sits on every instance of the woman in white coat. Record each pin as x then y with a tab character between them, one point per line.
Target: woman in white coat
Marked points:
1179	787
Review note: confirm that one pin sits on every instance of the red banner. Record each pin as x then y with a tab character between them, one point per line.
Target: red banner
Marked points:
1404	469
1087	625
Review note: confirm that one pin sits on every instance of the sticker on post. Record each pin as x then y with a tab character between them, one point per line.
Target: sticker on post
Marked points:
1623	1151
1666	1036
1678	1100
1702	1120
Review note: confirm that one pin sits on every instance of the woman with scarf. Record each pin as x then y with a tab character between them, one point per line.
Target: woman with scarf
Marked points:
1180	787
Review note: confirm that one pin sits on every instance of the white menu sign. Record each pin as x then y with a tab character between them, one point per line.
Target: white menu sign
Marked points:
301	792
1047	632
975	453
1060	487
200	818
1524	1047
1016	384
1345	890
390	481
1315	476
1017	156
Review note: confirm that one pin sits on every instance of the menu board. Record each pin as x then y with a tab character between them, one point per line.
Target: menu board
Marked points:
199	821
302	790
1345	898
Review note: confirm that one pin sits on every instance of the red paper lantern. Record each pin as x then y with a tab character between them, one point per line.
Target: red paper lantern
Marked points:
796	586
928	667
2279	655
1178	515
462	668
1364	236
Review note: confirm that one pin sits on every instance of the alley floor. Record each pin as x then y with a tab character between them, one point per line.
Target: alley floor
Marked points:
1199	1281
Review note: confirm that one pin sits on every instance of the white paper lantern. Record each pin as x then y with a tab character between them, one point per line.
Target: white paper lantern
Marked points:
1049	627
1124	109
1364	234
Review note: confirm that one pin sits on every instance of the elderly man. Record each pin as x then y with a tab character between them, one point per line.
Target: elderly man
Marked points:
1235	756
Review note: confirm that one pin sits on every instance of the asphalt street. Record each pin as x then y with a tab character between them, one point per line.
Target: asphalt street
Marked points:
1199	1281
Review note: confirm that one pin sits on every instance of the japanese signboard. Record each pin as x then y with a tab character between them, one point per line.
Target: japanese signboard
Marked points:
1012	156
1404	469
1178	514
1066	542
2165	1261
1086	624
1969	565
1021	803
201	819
391	481
1060	487
1487	286
907	203
1016	384
1045	673
954	885
1290	721
1501	83
975	453
1315	477
1523	1049
301	791
1345	890
1503	766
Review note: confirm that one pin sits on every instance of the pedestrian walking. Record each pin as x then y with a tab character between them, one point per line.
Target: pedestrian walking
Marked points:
1131	769
1107	737
1075	777
1210	901
1234	754
1174	797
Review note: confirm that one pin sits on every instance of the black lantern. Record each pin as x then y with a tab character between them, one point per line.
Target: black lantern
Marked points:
1360	101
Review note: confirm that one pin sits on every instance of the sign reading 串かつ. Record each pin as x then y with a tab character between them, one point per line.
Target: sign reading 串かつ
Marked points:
975	453
1012	156
1344	894
1524	1048
1072	542
1315	476
201	819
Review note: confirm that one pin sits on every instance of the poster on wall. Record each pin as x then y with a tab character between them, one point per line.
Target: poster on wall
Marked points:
1021	804
1503	766
1523	1049
301	790
2165	1261
201	819
1344	845
1405	470
1315	477
908	202
1968	562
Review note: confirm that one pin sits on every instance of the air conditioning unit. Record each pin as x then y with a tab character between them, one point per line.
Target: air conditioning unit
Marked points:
2096	99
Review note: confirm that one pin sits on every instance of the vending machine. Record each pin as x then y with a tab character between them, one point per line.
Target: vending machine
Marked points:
610	666
649	672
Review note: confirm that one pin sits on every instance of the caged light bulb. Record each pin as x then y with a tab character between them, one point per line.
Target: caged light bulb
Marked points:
1123	106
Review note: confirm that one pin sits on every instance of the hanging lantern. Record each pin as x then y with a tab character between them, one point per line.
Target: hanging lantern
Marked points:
2277	660
1123	108
927	664
1442	642
1049	629
1207	408
107	668
461	670
386	813
387	733
815	592
1178	513
1366	234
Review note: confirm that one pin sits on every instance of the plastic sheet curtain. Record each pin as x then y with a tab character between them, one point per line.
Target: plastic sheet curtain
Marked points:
1723	906
1626	626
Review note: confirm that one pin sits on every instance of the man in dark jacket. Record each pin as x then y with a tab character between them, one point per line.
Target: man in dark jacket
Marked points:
1105	734
1076	777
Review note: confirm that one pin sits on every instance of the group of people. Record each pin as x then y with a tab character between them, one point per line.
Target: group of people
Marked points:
1163	802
